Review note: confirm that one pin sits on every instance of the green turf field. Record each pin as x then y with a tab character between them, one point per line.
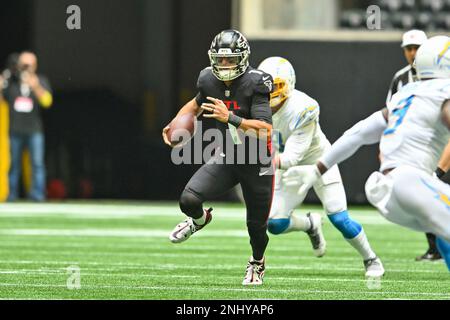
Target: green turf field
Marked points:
122	252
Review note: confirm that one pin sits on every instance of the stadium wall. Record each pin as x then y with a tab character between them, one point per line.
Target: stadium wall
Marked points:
133	48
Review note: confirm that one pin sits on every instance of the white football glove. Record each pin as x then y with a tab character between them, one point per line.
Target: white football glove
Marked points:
303	177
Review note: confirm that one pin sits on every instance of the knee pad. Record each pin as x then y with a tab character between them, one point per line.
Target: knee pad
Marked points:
348	227
277	226
333	196
190	203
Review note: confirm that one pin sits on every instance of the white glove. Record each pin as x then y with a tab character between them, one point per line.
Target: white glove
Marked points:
301	176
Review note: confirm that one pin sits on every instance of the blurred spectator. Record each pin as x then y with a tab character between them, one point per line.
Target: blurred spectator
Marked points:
26	92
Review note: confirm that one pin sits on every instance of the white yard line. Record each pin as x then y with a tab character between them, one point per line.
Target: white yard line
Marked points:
121	211
116	232
325	262
296	249
94	232
209	289
169	266
98	210
108	274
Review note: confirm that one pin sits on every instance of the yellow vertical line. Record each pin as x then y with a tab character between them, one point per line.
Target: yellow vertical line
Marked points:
4	151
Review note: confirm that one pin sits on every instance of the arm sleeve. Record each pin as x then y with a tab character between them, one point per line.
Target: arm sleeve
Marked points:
365	132
296	146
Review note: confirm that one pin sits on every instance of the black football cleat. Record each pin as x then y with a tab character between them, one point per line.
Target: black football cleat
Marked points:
429	256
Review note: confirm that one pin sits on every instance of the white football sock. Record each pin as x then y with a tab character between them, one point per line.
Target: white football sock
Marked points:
297	223
200	221
361	244
254	260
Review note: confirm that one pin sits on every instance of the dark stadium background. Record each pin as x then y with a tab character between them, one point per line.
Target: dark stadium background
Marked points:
121	78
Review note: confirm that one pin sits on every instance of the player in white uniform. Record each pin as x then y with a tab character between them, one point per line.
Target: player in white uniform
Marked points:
299	140
413	131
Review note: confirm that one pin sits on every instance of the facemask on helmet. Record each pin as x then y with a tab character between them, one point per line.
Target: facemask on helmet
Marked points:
283	75
228	55
433	59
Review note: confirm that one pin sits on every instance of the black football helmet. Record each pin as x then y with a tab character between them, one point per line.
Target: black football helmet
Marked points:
233	46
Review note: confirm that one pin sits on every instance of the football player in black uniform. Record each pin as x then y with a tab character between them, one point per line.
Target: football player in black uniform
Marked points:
237	97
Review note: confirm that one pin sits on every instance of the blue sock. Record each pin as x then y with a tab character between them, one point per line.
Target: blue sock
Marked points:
444	249
348	227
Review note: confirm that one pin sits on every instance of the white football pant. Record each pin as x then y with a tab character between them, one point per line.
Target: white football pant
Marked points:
412	198
329	189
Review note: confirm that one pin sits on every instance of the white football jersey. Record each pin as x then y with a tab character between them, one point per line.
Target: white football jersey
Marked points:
297	135
415	134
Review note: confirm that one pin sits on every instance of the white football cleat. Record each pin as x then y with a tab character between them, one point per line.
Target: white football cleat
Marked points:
374	268
315	234
187	228
254	273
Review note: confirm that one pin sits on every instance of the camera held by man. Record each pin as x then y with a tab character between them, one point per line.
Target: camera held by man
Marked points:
26	92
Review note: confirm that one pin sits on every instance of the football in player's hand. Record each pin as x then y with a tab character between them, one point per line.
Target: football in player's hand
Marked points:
182	129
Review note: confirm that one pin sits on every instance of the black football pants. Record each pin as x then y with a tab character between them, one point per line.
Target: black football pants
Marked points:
213	180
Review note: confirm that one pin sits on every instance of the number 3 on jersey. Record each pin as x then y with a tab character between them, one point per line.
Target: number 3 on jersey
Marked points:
398	114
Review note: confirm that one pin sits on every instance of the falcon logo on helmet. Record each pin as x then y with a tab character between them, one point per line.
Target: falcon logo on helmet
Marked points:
229	54
283	75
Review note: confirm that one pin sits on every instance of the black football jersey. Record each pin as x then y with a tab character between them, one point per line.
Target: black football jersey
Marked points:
247	97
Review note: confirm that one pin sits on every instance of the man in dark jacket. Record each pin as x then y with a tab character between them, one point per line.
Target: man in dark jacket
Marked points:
26	93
